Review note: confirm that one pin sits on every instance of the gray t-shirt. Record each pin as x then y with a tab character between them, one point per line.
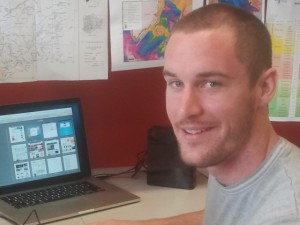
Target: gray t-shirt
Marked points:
270	196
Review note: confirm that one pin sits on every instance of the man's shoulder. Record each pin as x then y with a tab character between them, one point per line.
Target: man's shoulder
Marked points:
283	183
288	154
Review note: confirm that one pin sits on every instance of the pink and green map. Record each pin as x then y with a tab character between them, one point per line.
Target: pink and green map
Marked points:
149	43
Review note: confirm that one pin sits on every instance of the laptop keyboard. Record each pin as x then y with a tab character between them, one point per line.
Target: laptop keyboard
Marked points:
50	194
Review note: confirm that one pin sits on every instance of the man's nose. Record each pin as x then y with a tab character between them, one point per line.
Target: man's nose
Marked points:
191	103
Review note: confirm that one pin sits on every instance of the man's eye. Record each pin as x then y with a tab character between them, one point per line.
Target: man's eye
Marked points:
176	84
212	84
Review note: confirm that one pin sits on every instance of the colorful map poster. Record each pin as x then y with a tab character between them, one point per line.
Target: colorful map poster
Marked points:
257	7
283	21
140	30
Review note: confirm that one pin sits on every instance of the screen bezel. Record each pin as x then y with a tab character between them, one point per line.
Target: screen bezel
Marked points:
79	129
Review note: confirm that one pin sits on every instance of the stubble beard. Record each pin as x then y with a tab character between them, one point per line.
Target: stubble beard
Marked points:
224	147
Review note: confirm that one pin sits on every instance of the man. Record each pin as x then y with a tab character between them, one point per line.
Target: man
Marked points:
219	75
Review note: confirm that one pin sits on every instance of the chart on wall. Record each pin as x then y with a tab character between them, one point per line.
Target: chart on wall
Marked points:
53	40
140	29
283	22
256	7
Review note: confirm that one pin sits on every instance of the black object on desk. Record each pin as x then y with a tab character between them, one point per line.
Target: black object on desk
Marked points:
164	165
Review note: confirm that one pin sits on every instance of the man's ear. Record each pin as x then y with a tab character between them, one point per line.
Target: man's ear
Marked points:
267	86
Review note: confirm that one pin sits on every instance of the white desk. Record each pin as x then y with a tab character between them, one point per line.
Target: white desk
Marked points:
155	201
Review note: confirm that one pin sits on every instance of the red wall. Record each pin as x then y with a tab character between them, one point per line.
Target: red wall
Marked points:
289	130
118	111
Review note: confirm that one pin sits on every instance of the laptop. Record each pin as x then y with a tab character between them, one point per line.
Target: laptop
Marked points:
43	146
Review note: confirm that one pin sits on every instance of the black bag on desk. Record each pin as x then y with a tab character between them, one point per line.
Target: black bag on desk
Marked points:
164	165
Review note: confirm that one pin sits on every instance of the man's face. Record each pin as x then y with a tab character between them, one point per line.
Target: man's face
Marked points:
208	98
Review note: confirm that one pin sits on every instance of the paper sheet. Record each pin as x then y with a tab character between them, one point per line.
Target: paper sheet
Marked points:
53	40
257	7
283	21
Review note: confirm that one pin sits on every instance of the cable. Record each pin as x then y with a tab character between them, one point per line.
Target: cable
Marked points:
3	216
140	163
8	219
30	214
103	176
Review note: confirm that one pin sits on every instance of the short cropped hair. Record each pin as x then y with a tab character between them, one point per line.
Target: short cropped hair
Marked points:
253	45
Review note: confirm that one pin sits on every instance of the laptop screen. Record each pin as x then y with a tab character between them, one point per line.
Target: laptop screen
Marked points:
41	143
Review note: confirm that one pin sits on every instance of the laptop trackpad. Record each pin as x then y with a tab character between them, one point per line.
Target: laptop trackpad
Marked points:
66	208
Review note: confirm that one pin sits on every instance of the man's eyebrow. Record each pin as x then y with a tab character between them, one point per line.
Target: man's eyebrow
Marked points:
199	75
168	73
212	74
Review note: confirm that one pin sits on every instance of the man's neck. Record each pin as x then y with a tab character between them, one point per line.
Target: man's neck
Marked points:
243	164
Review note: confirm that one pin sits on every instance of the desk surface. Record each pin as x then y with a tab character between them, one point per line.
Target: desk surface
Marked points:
156	202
